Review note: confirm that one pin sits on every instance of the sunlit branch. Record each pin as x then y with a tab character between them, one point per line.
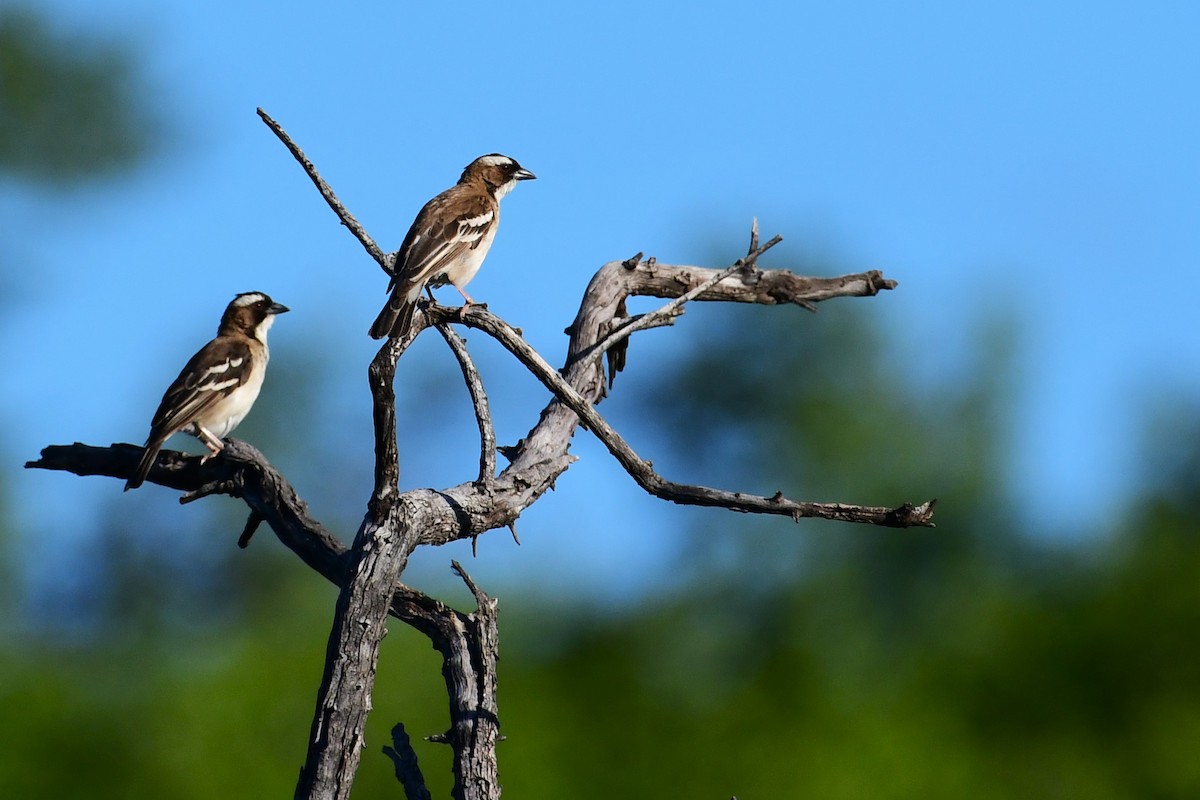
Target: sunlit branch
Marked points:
395	522
483	414
383	259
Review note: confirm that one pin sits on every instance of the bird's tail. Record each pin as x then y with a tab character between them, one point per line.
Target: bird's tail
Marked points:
396	317
149	454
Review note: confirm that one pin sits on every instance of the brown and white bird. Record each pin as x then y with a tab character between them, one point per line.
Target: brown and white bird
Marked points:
220	383
449	239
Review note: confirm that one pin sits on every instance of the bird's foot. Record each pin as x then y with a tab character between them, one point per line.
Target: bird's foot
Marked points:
214	445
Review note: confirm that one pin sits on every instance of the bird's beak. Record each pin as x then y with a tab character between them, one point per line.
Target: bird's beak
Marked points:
278	308
524	175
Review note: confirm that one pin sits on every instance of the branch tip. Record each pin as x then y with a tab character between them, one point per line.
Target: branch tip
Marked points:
327	193
408	770
481	597
205	490
252	522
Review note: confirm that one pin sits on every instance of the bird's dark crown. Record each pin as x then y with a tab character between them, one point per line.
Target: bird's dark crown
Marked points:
496	170
247	312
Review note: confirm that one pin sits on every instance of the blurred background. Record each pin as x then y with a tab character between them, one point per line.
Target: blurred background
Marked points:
1027	173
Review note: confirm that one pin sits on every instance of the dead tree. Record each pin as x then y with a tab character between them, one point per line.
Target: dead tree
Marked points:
368	572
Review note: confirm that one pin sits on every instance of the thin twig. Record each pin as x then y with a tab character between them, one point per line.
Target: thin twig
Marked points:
480	597
666	314
408	771
252	522
383	259
483	414
643	472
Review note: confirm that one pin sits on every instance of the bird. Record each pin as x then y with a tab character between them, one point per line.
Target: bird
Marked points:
449	239
219	385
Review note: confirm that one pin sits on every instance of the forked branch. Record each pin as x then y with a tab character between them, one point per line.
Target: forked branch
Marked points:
395	522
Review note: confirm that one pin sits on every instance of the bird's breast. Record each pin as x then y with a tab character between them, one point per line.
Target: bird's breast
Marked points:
226	414
464	269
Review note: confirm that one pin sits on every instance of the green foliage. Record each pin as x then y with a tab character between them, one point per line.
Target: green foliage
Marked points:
199	711
967	661
69	109
1080	681
817	661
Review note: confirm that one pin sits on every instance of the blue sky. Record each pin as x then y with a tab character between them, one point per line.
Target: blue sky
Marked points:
1032	158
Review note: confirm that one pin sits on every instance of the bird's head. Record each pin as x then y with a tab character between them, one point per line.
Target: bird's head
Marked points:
251	313
499	172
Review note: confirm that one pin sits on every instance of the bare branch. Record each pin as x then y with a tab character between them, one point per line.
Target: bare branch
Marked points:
483	414
381	376
642	471
408	771
368	577
336	741
536	462
252	522
666	315
249	476
395	523
582	382
244	472
472	649
383	259
380	552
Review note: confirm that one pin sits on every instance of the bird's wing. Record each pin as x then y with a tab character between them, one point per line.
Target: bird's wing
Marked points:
221	366
449	226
